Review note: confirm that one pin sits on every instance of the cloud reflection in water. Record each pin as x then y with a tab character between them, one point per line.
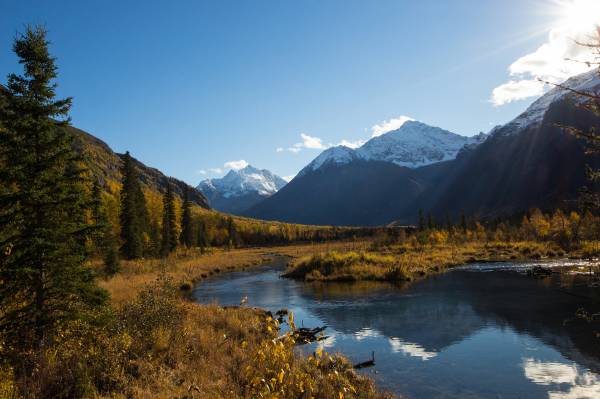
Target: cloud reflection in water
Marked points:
581	383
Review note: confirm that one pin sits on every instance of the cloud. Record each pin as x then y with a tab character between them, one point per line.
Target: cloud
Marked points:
352	144
201	172
215	170
389	125
515	90
236	165
556	60
310	142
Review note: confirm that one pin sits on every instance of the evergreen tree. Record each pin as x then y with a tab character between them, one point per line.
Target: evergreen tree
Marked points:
202	239
44	280
133	214
187	234
430	224
421	220
105	241
169	228
232	232
463	222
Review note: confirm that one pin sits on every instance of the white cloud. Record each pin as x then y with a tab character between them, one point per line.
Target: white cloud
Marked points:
389	125
352	144
236	165
215	170
311	142
554	61
515	90
201	172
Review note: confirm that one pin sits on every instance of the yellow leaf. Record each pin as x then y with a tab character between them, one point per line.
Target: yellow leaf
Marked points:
281	373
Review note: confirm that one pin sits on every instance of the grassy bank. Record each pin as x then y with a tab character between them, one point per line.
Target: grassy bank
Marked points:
404	262
153	342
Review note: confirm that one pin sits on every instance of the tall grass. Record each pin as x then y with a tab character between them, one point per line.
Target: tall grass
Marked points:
405	262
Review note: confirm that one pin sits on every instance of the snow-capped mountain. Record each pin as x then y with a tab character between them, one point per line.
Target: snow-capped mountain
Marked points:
530	162
533	116
413	145
240	189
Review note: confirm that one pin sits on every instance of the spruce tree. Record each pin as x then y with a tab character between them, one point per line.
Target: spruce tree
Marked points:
105	240
463	223
133	214
232	232
202	239
187	233
169	228
421	220
44	280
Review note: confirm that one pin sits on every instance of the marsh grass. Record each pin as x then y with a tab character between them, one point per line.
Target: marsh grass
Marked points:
152	342
160	345
405	262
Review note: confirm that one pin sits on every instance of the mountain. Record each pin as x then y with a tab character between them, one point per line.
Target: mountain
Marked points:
241	189
413	145
369	185
528	162
105	165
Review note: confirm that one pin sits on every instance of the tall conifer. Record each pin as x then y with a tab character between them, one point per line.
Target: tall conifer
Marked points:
133	215
187	233
169	228
44	280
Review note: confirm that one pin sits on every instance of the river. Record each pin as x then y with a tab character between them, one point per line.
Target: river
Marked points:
477	331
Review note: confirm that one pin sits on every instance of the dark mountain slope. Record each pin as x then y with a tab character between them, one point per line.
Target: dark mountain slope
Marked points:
358	193
105	165
541	166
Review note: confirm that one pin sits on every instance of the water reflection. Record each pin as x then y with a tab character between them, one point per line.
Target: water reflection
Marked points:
581	383
415	350
463	334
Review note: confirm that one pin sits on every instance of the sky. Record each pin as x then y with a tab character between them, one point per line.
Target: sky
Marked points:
195	88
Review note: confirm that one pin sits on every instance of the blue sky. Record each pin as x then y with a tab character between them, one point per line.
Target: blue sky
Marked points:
188	86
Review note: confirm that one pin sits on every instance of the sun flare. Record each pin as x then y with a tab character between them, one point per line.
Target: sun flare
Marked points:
579	15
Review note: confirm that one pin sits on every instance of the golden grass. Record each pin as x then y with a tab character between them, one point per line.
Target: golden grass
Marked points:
187	267
169	347
404	262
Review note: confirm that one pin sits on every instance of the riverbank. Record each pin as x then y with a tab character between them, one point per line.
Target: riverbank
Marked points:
404	262
170	347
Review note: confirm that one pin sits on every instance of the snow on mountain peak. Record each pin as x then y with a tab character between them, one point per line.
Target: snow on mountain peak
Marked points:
413	145
238	182
534	115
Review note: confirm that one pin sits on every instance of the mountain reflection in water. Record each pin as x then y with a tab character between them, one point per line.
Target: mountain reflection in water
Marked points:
476	332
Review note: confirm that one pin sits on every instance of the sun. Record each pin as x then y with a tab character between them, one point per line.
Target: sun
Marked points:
579	15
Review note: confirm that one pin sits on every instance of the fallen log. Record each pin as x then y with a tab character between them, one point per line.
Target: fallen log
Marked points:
365	364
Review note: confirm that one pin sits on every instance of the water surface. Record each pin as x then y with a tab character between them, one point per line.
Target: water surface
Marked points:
479	331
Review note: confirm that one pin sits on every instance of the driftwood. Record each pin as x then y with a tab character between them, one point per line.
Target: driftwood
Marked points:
540	272
308	335
365	364
280	315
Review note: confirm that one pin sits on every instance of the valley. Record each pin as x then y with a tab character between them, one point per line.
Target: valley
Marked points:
302	239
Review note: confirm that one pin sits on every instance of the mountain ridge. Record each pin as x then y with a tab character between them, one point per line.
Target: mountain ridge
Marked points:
528	162
240	189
